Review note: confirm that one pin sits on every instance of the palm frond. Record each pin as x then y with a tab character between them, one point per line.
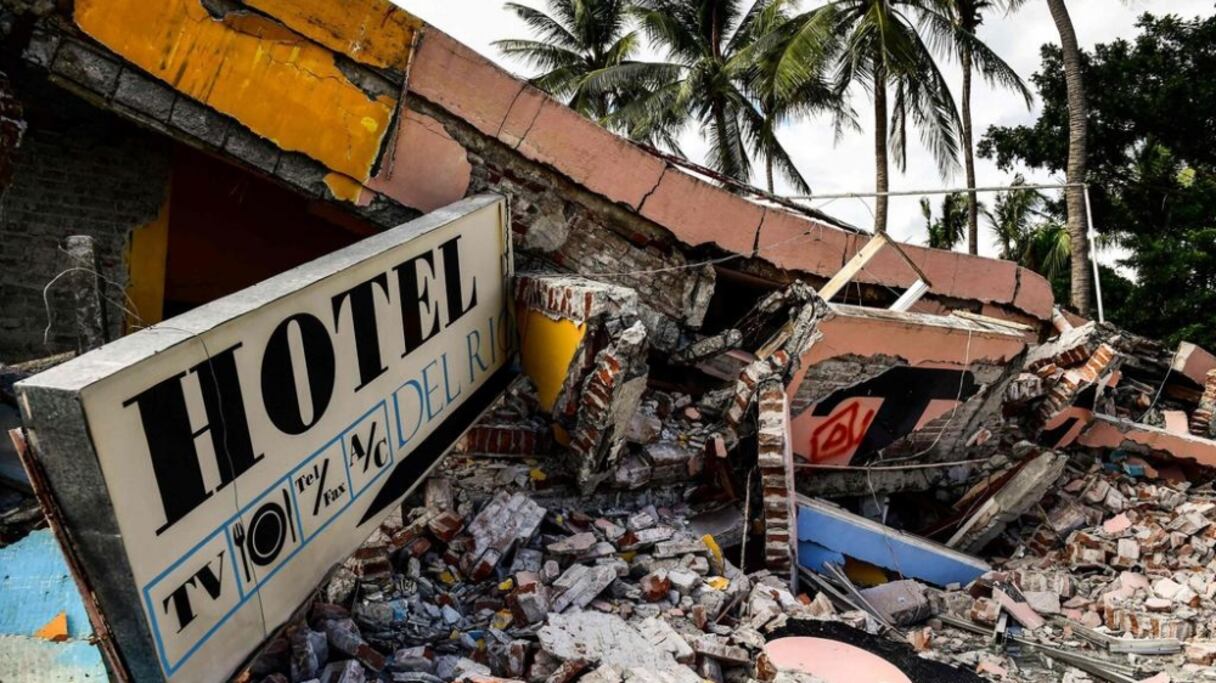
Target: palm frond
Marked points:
949	37
574	39
539	54
642	75
621	50
663	27
804	48
546	27
1052	249
931	104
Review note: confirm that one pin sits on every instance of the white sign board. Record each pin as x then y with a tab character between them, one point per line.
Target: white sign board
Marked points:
236	453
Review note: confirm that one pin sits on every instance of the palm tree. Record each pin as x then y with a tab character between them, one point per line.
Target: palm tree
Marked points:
946	232
576	38
876	44
1026	233
1082	284
713	75
1013	217
814	95
973	55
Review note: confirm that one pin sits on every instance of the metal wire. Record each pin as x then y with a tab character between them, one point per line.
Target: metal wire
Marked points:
913	193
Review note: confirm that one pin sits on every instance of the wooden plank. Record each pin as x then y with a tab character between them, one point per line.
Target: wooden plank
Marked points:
854	266
910	297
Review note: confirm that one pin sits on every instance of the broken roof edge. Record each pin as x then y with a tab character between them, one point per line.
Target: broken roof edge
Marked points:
451	77
695	211
1115	433
978	325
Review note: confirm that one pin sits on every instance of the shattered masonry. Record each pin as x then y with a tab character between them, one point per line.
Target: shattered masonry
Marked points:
775	461
650	503
1203	419
1125	545
610	396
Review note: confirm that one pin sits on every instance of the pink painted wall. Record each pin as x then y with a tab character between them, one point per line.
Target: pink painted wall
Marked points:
1109	432
426	168
501	106
920	341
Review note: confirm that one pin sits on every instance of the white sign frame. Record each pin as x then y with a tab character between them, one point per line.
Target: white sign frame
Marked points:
191	581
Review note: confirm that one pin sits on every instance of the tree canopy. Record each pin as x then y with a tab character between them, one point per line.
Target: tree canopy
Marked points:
1152	167
576	39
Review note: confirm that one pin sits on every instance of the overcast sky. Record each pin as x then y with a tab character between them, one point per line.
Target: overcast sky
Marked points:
847	165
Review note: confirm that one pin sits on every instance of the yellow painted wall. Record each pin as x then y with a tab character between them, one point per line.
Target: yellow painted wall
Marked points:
343	187
147	251
546	348
373	32
281	85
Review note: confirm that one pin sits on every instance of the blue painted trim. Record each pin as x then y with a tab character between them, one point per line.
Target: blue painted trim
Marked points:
288	481
840	531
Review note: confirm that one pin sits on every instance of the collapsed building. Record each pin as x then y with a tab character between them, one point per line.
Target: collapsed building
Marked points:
739	420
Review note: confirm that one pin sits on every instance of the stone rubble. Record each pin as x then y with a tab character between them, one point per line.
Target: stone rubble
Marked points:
526	592
611	528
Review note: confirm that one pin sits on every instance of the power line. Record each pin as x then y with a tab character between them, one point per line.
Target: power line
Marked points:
912	193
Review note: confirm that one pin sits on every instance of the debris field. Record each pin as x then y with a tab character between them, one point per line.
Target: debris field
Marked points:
646	517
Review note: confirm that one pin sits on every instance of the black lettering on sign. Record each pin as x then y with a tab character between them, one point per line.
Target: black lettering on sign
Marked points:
171	439
414	299
363	320
452	283
180	597
278	375
409	470
375	452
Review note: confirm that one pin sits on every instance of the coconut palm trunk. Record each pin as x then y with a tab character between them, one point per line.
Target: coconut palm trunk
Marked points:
769	110
1082	280
881	171
973	213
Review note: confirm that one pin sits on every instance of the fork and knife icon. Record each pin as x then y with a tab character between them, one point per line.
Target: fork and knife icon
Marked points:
269	528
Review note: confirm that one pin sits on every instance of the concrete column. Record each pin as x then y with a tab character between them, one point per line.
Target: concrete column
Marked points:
86	294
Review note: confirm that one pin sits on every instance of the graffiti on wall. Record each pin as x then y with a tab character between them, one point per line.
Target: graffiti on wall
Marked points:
854	422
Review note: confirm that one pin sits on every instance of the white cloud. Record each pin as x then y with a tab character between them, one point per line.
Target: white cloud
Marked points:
847	165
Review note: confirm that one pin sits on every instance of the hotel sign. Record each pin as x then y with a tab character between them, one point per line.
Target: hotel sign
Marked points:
212	468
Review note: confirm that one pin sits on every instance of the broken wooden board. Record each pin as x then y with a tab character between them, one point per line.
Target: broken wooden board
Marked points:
1014	498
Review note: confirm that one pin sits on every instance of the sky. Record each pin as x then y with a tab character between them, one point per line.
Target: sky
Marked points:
847	165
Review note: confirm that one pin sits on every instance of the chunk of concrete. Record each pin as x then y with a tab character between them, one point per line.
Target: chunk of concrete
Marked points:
902	602
607	640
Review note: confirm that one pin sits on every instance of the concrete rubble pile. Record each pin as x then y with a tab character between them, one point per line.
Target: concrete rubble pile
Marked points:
737	421
507	588
640	505
625	514
579	531
1102	551
1117	564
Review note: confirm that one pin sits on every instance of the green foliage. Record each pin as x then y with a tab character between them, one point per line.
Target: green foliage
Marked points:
946	231
959	37
740	69
1027	232
1152	168
575	39
888	44
715	74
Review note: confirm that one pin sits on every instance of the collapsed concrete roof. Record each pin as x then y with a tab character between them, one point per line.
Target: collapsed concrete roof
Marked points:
363	104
